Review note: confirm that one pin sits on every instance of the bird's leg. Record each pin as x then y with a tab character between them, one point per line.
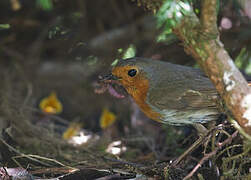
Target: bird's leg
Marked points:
202	132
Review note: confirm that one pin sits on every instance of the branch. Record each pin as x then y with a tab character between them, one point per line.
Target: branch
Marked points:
208	17
207	156
215	61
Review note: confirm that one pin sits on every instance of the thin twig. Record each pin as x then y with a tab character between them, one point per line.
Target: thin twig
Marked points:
23	155
51	116
32	157
207	156
27	97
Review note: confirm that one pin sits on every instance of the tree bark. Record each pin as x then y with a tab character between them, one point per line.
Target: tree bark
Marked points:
201	39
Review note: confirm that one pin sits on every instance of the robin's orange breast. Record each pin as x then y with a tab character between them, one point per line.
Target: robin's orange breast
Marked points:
139	95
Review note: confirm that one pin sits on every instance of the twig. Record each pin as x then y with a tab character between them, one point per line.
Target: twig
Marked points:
47	159
21	154
53	117
62	170
240	129
228	148
27	97
207	156
31	157
135	165
117	176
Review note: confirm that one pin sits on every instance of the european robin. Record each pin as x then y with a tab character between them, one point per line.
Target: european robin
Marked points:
168	93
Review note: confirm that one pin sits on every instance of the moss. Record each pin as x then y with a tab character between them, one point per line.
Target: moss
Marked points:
166	172
153	5
193	42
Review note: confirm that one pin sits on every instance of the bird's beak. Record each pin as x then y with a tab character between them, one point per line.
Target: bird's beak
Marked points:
109	77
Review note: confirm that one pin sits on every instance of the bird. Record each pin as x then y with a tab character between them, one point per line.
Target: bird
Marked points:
169	93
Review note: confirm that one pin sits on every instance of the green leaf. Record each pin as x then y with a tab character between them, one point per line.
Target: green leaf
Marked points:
130	52
115	62
4	26
170	13
46	5
243	60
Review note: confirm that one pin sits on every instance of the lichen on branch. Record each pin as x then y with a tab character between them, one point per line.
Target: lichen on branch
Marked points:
209	52
201	40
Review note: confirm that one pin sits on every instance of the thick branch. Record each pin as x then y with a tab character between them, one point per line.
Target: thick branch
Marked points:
215	61
209	16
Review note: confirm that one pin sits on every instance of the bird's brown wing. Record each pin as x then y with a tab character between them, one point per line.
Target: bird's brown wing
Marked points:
188	94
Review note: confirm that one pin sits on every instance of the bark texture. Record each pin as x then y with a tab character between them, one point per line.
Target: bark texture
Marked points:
201	39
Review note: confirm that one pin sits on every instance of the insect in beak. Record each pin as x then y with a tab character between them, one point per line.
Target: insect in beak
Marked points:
109	77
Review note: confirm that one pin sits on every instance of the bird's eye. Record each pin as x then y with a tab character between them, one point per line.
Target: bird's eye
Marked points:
132	72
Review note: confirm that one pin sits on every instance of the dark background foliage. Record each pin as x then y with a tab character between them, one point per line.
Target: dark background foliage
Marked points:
63	46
